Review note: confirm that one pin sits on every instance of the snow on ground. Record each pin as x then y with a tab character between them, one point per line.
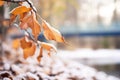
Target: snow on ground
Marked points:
98	57
14	67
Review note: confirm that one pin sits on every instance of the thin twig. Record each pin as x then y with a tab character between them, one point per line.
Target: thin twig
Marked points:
31	37
31	5
39	17
14	1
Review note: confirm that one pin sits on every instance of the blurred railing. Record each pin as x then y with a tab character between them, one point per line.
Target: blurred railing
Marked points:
99	30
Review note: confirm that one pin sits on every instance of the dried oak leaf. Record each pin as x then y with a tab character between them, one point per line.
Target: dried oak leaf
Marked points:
30	21
51	33
28	47
20	10
24	22
29	51
12	18
23	15
34	25
47	47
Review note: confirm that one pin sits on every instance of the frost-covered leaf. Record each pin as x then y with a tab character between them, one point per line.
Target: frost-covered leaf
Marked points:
34	25
25	43
30	21
28	47
46	46
20	10
30	51
12	18
51	33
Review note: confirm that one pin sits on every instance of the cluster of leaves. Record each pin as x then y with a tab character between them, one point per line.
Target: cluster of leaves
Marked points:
27	16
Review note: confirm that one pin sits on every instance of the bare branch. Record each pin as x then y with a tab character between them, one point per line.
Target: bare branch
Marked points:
31	5
14	1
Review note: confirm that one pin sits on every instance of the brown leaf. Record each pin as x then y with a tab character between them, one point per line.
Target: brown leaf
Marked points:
12	18
30	21
25	43
28	47
30	51
48	47
51	33
2	3
16	43
40	54
23	15
20	10
34	25
24	22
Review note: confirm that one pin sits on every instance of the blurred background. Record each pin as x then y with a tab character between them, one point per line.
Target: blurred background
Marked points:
91	28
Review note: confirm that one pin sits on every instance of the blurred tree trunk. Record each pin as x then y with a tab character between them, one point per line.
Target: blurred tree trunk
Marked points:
4	16
1	29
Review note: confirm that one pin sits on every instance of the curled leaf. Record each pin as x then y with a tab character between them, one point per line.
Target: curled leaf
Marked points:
30	51
12	18
24	22
28	47
23	15
30	21
34	25
20	10
25	43
51	33
46	46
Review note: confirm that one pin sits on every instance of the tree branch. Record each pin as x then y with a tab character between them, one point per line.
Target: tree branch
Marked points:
31	37
31	5
14	1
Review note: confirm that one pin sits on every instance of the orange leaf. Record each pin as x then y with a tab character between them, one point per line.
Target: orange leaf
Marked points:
51	33
24	22
2	3
48	46
40	54
16	43
30	21
24	43
34	25
12	18
30	51
23	15
20	10
28	47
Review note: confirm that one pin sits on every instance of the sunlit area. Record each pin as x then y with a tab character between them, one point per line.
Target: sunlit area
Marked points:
60	39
